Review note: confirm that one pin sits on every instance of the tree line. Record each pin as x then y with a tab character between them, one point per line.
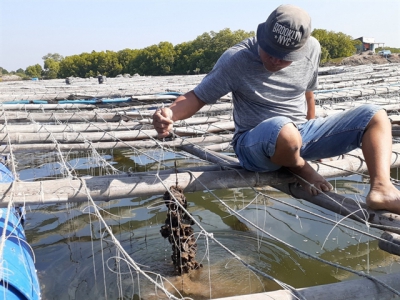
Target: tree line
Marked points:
194	57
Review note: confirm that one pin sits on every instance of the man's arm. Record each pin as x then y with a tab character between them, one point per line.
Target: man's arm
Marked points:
310	105
182	108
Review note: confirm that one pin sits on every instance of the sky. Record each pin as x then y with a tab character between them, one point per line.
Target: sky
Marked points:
30	29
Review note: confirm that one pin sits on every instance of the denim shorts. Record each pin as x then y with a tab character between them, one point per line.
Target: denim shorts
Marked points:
322	137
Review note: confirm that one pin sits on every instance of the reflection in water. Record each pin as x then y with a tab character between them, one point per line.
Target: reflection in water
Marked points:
76	258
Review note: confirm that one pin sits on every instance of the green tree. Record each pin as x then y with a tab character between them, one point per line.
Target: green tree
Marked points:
155	59
203	52
334	44
51	68
104	63
183	52
220	42
90	65
3	71
203	56
20	71
34	71
55	56
76	66
69	67
162	59
324	55
126	58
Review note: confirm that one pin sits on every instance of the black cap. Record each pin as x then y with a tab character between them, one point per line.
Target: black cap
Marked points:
285	33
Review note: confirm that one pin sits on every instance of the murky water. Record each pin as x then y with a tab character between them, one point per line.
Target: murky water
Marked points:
76	259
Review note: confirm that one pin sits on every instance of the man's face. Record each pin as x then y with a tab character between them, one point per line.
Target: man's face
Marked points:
271	63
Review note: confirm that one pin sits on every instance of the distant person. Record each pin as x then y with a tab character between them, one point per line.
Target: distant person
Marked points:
272	78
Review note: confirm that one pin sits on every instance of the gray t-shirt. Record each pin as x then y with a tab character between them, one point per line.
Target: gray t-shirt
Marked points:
257	93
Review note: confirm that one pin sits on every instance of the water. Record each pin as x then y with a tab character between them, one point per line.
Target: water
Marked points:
77	259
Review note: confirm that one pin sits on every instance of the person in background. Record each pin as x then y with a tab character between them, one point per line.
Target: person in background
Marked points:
272	78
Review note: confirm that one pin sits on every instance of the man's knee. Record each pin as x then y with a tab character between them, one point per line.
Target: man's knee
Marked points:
380	118
288	144
289	137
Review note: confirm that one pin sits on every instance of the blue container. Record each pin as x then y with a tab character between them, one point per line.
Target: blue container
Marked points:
18	277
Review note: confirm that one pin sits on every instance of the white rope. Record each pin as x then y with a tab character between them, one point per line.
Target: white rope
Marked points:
297	249
119	246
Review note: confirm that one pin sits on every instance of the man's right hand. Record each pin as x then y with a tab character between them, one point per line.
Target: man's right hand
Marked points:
162	122
182	108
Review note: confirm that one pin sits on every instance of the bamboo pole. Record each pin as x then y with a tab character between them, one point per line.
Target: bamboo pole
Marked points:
321	112
137	144
211	128
211	156
62	117
346	207
356	92
219	147
331	201
139	184
72	96
224	107
62	95
216	126
146	115
80	137
76	137
154	97
87	127
352	77
357	82
23	107
105	189
193	120
95	116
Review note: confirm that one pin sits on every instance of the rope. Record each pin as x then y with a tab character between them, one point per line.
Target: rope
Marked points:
293	291
299	250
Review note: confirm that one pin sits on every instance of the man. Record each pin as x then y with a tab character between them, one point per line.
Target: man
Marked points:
272	78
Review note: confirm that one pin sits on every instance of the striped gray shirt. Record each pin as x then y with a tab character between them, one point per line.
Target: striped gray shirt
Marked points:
257	93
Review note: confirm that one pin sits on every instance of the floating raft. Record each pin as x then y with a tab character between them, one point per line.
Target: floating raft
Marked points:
74	120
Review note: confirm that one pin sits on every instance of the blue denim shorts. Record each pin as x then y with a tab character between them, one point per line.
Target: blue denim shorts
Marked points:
322	137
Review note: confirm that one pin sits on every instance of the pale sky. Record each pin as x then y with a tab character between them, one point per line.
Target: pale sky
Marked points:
29	29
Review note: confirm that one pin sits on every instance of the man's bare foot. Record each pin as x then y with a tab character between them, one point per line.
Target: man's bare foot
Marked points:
310	180
385	197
